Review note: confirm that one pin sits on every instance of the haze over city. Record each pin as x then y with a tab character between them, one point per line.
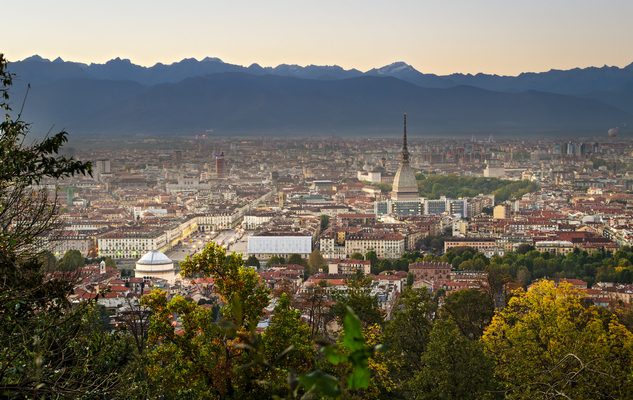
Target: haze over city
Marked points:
316	200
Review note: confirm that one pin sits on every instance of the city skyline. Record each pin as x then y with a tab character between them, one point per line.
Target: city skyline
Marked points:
434	37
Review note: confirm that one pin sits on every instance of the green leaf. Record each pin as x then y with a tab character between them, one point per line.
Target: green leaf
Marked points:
320	383
333	356
359	378
353	332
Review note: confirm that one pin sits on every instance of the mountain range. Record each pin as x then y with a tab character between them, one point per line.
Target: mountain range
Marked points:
191	96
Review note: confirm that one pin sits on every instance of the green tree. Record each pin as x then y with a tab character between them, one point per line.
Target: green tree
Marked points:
25	211
524	248
71	261
356	256
498	276
48	260
547	342
410	279
407	332
325	222
434	186
48	347
358	297
453	367
471	310
523	276
287	345
315	262
239	287
297	259
188	355
110	263
372	257
252	261
275	260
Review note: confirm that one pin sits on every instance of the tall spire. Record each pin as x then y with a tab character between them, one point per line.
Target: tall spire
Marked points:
405	150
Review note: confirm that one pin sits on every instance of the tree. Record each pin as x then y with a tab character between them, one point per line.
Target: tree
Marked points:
315	262
252	261
71	261
547	342
524	248
453	367
498	276
26	213
315	303
296	259
48	261
110	263
189	356
48	347
410	279
136	319
275	260
382	384
287	344
372	257
240	288
471	310
523	276
358	297
356	256
407	332
325	221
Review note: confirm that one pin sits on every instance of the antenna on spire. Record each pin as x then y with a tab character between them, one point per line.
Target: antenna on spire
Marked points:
405	151
405	130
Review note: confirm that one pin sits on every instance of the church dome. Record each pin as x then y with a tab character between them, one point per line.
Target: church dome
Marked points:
155	264
405	186
154	257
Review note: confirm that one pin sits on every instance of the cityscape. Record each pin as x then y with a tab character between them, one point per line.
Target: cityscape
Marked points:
274	199
299	229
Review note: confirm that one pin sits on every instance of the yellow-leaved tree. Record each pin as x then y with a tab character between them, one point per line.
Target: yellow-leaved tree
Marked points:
194	353
549	342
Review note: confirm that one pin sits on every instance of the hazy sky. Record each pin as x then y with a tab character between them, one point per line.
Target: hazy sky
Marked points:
439	36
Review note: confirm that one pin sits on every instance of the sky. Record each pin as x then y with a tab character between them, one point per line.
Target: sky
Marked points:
435	36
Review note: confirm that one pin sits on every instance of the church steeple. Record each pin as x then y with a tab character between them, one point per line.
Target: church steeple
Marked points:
405	150
405	187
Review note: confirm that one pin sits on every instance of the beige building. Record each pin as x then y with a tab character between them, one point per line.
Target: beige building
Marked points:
385	244
131	243
486	246
349	267
500	212
555	246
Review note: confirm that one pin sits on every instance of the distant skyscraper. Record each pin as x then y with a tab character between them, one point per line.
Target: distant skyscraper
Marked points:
219	165
101	169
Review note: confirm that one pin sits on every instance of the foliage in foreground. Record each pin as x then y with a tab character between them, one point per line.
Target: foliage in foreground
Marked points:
548	344
195	353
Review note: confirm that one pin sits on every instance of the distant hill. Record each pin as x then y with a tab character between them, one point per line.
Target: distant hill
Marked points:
190	96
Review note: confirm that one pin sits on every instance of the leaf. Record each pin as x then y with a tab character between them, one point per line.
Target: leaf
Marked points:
321	383
353	332
359	378
333	356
